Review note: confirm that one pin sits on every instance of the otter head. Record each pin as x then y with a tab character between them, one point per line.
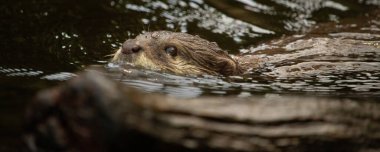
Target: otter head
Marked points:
179	53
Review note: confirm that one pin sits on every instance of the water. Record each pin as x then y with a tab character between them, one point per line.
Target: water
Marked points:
43	43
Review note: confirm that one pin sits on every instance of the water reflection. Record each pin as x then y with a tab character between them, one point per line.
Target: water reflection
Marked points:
61	76
40	32
347	84
19	72
32	73
340	60
179	15
46	41
74	37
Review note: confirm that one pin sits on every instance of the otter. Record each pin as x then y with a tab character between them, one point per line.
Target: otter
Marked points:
185	54
179	53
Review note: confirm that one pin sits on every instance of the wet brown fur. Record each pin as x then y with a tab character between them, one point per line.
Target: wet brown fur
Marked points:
195	55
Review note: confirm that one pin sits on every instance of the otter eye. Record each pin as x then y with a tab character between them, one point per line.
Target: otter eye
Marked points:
171	50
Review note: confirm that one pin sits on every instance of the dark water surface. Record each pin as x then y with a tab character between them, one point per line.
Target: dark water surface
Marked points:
44	42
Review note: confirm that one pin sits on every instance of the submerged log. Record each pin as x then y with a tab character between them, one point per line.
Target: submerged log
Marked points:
93	113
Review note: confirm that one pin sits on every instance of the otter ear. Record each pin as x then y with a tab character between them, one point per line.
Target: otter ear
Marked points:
227	66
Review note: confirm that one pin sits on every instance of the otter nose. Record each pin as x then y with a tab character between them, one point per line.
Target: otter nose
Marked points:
130	47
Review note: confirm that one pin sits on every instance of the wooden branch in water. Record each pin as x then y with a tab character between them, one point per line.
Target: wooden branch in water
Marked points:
92	113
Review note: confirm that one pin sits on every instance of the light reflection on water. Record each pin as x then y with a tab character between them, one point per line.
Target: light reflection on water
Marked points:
46	42
29	72
19	72
335	84
347	84
256	21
